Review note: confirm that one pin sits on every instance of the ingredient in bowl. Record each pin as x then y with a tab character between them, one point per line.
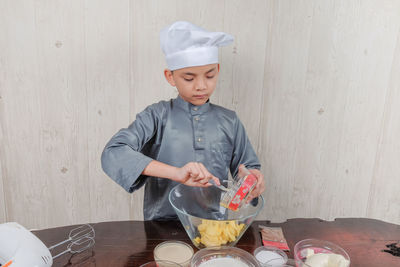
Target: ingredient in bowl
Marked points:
217	233
325	259
270	258
175	251
224	262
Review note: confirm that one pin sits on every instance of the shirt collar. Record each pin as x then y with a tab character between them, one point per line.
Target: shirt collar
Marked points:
189	107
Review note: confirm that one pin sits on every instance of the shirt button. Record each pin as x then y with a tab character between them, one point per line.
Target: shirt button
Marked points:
196	118
198	139
195	108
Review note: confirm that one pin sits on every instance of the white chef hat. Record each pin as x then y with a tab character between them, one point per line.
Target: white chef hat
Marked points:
187	45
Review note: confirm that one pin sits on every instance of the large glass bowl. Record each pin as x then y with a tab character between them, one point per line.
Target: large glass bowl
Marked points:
206	222
161	264
223	256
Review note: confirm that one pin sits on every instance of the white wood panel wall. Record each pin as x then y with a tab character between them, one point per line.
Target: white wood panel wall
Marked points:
316	83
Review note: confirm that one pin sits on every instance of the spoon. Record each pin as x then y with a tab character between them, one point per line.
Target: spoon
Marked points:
221	187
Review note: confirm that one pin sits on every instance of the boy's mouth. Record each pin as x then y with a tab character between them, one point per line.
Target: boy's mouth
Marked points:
200	96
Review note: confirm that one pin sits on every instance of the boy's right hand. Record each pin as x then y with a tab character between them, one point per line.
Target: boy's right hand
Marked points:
195	174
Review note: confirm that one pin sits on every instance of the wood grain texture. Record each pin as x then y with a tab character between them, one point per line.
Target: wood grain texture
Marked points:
284	82
242	64
107	83
384	197
131	243
3	205
325	106
316	84
43	126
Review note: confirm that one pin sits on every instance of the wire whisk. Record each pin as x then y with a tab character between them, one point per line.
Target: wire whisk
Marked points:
80	239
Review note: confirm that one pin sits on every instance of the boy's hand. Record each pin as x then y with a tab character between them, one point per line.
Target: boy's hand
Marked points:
195	174
260	186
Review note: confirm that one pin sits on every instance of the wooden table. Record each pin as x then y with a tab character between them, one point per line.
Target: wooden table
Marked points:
131	243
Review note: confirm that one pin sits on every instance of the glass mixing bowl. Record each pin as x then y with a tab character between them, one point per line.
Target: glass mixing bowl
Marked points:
304	249
206	222
223	256
161	264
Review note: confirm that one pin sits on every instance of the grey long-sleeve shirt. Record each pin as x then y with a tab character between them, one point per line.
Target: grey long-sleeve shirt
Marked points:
176	132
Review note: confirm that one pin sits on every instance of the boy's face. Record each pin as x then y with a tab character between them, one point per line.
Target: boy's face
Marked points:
195	84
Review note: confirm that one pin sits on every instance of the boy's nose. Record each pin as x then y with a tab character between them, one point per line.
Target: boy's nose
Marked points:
200	85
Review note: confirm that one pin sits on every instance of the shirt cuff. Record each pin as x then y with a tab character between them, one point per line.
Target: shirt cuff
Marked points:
134	178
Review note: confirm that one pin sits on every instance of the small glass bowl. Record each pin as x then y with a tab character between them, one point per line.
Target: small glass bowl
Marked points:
167	246
220	253
161	264
302	248
280	260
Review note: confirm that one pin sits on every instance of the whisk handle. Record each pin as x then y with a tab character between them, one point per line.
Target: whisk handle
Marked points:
61	253
59	244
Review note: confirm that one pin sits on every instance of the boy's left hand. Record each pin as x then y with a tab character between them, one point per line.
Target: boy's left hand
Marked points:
260	187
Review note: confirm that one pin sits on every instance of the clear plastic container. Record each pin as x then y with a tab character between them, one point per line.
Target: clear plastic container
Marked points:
240	189
308	251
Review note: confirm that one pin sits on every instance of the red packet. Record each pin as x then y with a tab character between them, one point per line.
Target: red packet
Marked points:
273	237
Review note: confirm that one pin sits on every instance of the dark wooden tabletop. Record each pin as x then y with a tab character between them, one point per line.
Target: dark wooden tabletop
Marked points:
131	243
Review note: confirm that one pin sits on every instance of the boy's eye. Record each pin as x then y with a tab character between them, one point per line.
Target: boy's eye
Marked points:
210	77
188	80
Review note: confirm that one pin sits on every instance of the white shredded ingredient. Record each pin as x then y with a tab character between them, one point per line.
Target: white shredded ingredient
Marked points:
270	258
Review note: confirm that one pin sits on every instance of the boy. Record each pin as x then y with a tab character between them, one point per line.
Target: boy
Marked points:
187	139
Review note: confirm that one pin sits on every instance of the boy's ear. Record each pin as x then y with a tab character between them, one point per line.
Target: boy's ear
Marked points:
218	67
169	77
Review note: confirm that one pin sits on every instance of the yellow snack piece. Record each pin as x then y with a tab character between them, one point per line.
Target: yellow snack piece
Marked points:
197	240
217	233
